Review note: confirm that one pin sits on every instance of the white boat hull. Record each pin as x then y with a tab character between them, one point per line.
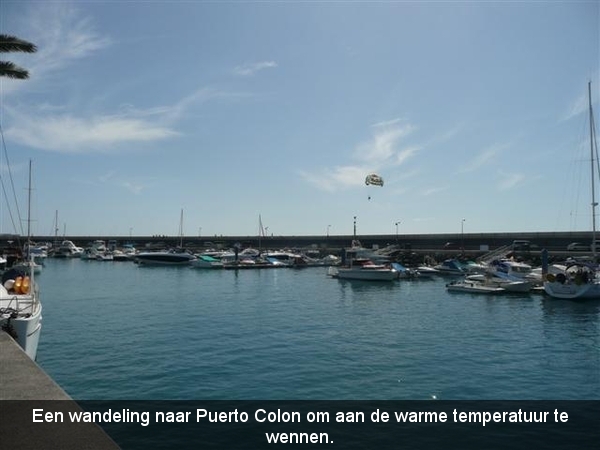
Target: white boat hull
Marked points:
473	287
26	327
364	274
571	291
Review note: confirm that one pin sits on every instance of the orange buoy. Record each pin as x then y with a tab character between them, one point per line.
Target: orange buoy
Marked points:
17	285
25	285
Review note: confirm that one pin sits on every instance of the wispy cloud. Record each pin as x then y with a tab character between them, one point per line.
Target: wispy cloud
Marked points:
432	190
66	133
62	36
577	107
250	69
510	180
382	150
482	159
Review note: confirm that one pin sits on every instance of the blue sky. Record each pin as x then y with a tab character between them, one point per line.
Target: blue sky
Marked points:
230	110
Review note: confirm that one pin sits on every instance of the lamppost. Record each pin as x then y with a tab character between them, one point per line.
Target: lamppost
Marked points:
328	226
462	236
199	231
354	227
397	223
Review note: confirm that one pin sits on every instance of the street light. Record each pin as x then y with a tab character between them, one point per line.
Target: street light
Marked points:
397	223
354	227
462	236
328	226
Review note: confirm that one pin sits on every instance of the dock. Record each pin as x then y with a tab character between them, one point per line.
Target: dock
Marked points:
24	386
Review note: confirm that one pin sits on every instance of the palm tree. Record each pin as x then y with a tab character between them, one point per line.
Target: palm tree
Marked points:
13	44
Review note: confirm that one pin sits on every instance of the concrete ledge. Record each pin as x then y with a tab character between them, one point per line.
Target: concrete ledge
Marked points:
24	386
21	378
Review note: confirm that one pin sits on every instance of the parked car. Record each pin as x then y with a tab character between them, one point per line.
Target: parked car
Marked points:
578	247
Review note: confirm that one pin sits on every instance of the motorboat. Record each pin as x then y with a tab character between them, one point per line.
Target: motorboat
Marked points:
364	269
21	309
508	285
450	267
175	257
511	270
206	262
473	286
68	249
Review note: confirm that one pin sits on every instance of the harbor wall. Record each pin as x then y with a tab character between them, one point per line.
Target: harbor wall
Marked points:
419	242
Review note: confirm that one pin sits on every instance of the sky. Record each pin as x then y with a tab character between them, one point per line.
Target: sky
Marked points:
475	114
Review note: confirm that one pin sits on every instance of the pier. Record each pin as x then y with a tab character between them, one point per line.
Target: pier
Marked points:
24	386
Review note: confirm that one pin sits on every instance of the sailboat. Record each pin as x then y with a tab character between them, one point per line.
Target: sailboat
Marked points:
580	280
20	306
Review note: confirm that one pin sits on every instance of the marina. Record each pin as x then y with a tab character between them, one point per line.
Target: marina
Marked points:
120	330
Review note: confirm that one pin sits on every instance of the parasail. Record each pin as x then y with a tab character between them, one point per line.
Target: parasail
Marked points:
374	179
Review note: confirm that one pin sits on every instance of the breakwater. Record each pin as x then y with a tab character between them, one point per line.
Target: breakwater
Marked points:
470	242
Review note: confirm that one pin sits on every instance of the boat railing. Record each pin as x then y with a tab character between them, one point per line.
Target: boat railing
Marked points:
500	252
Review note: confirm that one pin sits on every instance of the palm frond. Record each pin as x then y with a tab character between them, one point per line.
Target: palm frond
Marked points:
10	70
10	43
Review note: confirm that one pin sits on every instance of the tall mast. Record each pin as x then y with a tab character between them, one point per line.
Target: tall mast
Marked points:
29	208
594	204
181	229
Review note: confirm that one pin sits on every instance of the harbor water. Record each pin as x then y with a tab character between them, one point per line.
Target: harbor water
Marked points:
116	331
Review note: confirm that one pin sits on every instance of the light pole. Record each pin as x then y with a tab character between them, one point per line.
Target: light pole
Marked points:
354	227
397	223
199	231
328	226
462	236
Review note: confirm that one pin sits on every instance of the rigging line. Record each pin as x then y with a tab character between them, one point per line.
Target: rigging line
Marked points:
11	183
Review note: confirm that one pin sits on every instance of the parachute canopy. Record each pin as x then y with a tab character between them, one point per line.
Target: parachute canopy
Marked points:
374	179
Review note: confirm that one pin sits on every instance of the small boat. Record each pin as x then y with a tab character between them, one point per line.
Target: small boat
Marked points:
450	267
472	286
364	269
174	257
508	285
206	262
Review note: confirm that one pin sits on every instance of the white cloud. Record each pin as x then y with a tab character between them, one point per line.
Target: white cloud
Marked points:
246	70
379	152
66	133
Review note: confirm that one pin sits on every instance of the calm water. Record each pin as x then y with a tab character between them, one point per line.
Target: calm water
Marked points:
113	330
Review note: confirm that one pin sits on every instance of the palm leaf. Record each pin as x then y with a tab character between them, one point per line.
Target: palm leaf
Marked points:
10	70
10	43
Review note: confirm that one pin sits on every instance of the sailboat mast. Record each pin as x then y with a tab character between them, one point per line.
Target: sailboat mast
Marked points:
594	203
29	208
181	229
